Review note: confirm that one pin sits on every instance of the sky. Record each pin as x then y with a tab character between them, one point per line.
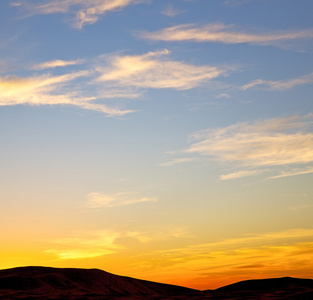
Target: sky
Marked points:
167	140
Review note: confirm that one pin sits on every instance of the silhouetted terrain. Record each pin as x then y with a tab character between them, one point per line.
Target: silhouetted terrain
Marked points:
273	288
54	283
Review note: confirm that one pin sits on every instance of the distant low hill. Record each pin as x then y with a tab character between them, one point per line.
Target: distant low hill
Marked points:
272	288
56	283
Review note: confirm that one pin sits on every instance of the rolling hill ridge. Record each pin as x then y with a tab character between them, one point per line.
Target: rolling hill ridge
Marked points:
70	283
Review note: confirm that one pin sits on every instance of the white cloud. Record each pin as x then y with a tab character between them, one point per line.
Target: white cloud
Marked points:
154	70
221	33
97	200
222	96
240	2
281	84
178	161
170	11
273	142
56	63
86	245
277	253
294	172
50	90
15	4
87	11
121	77
263	143
79	253
16	90
240	174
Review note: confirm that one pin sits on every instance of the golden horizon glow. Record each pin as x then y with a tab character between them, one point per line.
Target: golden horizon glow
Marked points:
162	140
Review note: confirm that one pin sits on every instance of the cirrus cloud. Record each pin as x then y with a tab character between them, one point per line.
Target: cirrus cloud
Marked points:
263	143
280	253
280	84
56	63
97	200
155	70
86	11
47	89
274	143
222	33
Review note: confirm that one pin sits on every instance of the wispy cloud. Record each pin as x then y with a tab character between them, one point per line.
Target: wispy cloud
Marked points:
263	143
281	84
273	238
222	96
240	174
155	70
281	253
56	63
178	161
268	143
301	207
86	11
86	245
170	11
15	4
294	172
221	33
97	200
113	76
47	89
241	2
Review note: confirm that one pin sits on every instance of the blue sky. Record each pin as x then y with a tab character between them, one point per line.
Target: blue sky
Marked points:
158	134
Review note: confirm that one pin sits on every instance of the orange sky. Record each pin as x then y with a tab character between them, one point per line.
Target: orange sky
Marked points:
160	139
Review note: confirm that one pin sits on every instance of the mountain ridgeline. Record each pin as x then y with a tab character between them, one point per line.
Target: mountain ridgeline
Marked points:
56	283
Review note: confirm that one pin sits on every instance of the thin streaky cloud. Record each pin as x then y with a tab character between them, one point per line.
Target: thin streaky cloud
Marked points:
294	172
86	11
222	96
65	254
273	250
56	63
15	4
50	90
170	11
119	93
139	200
177	161
86	245
262	143
155	70
240	174
13	86
222	33
273	142
241	2
98	200
275	237
110	111
281	84
269	125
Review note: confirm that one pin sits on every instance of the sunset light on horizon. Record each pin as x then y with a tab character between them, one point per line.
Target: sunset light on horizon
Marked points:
165	140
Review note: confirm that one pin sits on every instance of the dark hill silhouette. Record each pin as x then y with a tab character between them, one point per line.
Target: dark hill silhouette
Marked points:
56	283
46	283
270	284
271	288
